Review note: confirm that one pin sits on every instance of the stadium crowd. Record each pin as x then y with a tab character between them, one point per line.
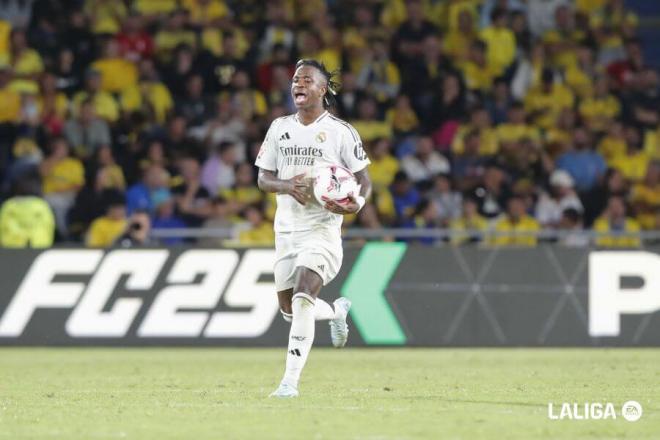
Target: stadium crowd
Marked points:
487	115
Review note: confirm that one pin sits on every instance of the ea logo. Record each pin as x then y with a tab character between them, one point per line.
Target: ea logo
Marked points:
631	411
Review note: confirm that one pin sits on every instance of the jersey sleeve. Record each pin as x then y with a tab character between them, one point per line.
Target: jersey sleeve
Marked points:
352	152
267	156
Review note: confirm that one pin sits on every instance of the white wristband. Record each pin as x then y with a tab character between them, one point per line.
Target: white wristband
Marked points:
361	201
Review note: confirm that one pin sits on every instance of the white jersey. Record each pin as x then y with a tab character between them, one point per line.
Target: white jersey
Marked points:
291	148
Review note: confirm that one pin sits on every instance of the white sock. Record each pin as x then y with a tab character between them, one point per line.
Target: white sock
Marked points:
323	311
301	337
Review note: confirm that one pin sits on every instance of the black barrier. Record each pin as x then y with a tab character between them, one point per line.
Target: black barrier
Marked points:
402	295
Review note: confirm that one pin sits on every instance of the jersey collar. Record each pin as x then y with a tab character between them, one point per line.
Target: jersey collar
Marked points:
321	116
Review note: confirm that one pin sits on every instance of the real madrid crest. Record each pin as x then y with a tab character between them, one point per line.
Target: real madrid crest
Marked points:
321	137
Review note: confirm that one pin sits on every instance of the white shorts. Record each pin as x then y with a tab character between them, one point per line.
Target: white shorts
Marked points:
318	249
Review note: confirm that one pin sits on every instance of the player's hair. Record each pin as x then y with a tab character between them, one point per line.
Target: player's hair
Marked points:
332	86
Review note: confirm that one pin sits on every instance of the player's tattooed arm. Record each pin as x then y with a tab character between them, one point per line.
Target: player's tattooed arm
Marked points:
355	202
296	186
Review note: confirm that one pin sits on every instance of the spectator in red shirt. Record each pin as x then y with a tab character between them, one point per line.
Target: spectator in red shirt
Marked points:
134	43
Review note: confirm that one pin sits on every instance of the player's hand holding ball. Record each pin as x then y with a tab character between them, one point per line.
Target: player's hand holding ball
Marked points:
337	190
297	188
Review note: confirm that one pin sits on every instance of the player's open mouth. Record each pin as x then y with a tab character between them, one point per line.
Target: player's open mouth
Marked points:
299	96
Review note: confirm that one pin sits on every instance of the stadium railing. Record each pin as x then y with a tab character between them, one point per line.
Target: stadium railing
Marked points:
420	233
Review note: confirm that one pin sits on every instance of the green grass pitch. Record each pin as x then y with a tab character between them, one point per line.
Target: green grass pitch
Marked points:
149	393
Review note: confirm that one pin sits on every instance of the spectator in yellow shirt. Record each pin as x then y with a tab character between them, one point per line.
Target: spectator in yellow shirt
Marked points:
545	102
599	111
616	229
378	75
10	109
634	162
104	103
458	41
478	72
471	221
26	220
63	177
516	128
481	123
206	12
105	15
260	232
173	34
613	144
516	227
244	192
383	166
105	230
645	197
117	74
368	124
500	40
149	96
402	117
26	62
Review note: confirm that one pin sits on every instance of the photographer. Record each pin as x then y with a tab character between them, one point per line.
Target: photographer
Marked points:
137	231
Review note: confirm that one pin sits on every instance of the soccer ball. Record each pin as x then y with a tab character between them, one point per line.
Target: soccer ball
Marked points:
334	182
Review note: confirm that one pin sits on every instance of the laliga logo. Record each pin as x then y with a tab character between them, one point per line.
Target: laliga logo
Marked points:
609	297
631	411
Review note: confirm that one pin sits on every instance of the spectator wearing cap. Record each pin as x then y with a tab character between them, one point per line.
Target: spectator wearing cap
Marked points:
616	229
516	227
585	165
560	197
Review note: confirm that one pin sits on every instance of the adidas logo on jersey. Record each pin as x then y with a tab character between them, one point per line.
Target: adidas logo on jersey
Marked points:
285	136
295	352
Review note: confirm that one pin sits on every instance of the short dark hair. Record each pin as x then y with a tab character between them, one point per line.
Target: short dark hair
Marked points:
332	86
